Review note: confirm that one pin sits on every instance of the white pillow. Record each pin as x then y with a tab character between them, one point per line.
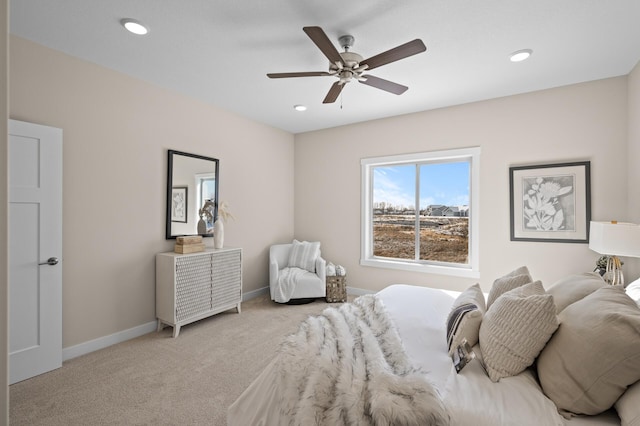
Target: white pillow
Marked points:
304	254
633	291
515	329
627	406
465	317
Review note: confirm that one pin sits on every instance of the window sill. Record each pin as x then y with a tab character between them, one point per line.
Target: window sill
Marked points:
423	268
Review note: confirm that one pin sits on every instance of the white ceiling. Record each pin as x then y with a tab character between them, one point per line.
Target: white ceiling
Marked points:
219	51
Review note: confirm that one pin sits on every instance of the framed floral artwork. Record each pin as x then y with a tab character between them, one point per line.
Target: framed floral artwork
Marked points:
179	204
551	202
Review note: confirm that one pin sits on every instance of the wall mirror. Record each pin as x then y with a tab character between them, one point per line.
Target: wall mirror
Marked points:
192	194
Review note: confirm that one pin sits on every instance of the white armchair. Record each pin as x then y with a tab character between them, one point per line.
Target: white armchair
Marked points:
287	281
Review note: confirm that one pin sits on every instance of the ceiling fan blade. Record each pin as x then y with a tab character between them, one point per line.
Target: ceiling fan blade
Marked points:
403	51
318	36
333	94
386	85
298	74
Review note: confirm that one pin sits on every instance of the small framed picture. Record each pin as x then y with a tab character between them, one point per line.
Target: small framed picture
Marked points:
551	202
179	204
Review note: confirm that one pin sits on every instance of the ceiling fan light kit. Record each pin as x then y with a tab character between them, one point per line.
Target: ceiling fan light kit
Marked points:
348	66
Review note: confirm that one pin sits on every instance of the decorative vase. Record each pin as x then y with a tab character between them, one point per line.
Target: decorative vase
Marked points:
202	227
218	234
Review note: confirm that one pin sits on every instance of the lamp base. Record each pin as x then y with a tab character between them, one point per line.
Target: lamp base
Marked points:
613	274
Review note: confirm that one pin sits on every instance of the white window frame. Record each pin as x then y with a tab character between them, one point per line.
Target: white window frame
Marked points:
199	178
469	270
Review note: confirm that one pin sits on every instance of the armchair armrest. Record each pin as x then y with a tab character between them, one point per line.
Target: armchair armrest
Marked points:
273	275
321	269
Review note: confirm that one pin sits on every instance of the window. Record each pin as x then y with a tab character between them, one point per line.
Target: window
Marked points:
420	212
206	191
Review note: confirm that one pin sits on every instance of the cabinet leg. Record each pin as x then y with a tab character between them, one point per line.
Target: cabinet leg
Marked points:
238	307
160	326
176	330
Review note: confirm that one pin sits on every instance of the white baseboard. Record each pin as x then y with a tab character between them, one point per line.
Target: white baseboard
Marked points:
132	333
254	293
122	336
112	339
265	290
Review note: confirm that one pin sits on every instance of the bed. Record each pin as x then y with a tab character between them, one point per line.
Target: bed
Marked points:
290	391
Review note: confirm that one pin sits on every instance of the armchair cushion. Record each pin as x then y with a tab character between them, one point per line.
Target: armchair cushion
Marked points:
304	254
287	281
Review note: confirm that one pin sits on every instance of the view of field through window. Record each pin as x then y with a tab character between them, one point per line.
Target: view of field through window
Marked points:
443	198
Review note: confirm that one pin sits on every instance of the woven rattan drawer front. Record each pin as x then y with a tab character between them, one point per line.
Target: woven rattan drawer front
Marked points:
227	272
193	286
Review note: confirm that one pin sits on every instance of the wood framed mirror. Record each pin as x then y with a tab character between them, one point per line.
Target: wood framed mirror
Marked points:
192	194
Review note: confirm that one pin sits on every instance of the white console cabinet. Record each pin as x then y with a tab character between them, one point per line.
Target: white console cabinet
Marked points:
193	286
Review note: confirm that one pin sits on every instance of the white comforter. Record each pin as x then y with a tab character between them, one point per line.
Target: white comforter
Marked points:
470	397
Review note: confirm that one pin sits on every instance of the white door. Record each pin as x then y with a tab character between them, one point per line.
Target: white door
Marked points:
35	249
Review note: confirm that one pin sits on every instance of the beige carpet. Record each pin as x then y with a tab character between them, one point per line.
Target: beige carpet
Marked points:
158	380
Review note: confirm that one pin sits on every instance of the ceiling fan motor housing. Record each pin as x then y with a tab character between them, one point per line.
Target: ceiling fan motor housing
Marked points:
349	70
351	59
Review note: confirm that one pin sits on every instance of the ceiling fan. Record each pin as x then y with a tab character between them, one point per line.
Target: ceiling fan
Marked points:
348	66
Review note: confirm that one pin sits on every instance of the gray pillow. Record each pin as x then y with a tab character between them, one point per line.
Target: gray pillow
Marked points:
515	329
463	322
570	289
595	354
513	279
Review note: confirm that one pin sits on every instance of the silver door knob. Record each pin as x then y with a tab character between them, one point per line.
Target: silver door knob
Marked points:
51	261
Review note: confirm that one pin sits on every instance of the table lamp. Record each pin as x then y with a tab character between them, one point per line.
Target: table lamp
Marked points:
614	239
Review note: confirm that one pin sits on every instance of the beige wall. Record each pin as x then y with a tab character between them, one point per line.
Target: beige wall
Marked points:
632	266
4	115
580	122
117	131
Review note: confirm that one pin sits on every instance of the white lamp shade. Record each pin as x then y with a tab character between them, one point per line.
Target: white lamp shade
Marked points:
615	239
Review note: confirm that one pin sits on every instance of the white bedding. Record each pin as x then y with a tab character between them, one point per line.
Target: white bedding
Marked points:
470	397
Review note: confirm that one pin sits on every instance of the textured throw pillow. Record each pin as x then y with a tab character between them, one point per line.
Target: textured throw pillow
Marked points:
515	329
513	279
465	317
633	291
628	406
304	254
570	289
595	354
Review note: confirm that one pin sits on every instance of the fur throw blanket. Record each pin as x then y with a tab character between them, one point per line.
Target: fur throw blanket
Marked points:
347	366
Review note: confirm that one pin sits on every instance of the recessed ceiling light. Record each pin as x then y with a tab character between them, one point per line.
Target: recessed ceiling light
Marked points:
520	55
300	107
134	26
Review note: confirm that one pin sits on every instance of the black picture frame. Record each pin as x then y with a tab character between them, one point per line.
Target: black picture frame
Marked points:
179	203
550	202
180	172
